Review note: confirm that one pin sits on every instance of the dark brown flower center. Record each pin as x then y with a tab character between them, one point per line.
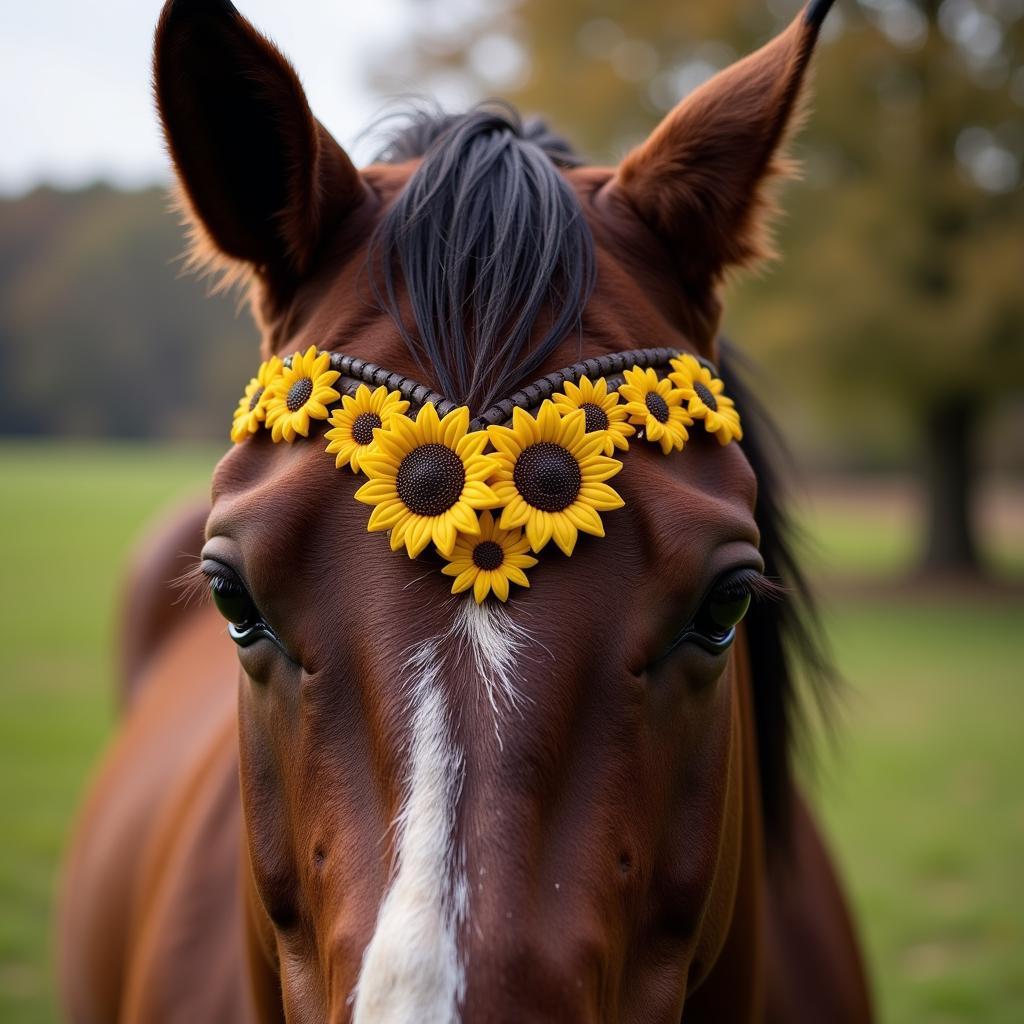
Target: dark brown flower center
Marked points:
547	476
255	400
657	406
705	394
596	418
430	479
362	427
299	394
488	554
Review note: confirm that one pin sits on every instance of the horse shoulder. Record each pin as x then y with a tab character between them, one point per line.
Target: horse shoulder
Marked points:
175	751
188	956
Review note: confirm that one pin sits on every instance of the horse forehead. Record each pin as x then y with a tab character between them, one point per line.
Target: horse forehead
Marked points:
681	506
689	502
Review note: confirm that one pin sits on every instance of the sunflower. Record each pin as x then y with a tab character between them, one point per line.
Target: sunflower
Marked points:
657	407
252	406
489	561
706	399
302	392
603	413
426	480
551	476
352	426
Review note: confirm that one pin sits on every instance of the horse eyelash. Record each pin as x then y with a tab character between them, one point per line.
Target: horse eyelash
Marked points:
193	585
764	589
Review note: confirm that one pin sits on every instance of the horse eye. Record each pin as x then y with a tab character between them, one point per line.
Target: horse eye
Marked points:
245	623
233	601
714	625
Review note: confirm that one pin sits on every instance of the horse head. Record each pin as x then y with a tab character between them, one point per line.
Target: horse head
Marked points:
524	805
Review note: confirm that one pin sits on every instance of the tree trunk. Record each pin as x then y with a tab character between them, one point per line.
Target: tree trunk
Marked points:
949	478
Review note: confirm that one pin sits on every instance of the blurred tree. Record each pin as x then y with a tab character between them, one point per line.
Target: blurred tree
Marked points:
899	308
100	334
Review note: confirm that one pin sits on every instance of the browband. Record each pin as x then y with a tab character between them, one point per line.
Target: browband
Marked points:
355	371
489	493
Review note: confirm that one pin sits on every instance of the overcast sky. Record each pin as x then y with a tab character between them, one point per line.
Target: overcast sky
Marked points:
75	101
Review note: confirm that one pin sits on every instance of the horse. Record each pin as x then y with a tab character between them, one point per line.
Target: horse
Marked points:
372	799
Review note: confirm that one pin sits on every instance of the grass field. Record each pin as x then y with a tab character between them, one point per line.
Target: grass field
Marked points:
921	791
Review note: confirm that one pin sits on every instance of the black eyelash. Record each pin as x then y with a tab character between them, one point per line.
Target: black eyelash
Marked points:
198	581
761	587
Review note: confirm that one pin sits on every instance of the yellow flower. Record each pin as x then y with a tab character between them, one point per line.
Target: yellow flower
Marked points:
706	399
551	475
427	480
603	413
489	561
657	407
301	393
352	426
252	406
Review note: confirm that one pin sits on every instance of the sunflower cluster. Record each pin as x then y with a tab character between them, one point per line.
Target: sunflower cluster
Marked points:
487	500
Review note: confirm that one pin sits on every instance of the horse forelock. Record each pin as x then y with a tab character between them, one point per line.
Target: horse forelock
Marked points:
495	257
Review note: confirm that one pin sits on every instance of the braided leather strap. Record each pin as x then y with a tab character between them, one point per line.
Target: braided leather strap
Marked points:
355	371
610	365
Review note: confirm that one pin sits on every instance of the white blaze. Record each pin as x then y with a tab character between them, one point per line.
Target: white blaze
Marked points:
412	971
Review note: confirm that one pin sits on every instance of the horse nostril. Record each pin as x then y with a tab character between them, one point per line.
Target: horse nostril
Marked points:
318	858
625	862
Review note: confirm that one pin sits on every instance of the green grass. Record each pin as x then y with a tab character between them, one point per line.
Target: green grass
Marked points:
921	797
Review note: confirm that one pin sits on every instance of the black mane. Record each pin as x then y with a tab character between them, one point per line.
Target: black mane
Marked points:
491	245
784	635
487	236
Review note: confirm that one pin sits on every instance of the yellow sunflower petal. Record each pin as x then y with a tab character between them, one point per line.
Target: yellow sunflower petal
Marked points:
515	574
443	534
465	519
601	496
385	516
505	440
464	580
499	585
375	491
550	424
481	586
520	561
600	467
428	424
585	518
454	426
516	513
539	528
524	425
564	533
471	445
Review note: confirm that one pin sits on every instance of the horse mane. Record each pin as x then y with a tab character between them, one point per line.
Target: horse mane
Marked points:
491	244
489	207
789	656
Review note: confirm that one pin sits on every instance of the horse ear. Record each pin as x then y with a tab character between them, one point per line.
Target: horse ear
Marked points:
262	178
699	181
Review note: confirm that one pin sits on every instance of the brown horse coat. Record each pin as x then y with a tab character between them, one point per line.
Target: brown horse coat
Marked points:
157	892
351	824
